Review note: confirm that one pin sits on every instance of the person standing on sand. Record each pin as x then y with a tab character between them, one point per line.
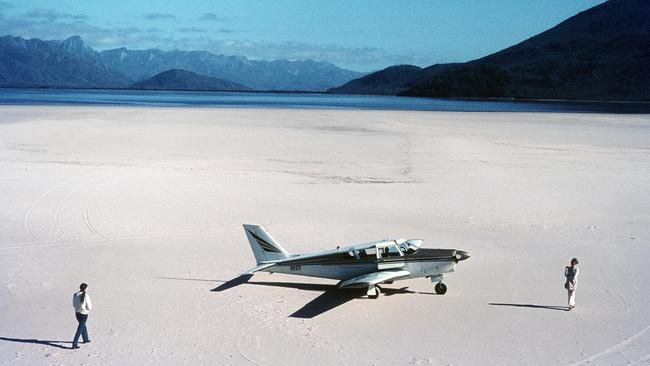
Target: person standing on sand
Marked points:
82	305
571	274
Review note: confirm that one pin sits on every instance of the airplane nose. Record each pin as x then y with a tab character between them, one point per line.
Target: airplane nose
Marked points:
461	255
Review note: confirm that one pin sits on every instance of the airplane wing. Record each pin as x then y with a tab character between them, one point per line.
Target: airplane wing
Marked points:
373	279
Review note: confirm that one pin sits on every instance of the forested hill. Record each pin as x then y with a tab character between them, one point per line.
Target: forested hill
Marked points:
177	79
602	53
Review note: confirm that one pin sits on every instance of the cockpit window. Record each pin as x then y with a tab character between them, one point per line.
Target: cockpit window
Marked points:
387	249
391	251
410	246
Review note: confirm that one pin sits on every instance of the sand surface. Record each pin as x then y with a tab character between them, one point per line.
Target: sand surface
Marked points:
146	206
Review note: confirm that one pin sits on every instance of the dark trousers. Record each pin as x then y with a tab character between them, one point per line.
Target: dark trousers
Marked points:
81	329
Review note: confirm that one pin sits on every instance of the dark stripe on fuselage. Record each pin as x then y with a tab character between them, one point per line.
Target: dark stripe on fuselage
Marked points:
422	255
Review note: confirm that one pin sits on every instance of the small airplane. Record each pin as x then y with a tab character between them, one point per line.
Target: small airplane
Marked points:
361	266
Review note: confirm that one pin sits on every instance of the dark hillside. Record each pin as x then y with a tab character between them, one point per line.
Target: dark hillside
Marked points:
602	53
185	80
392	80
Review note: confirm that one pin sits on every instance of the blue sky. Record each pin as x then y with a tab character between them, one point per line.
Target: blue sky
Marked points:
359	35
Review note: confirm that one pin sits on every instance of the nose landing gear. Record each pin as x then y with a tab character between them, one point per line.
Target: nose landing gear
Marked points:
440	287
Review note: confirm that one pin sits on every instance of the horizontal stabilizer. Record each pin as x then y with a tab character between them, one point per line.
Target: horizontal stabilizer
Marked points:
374	278
258	268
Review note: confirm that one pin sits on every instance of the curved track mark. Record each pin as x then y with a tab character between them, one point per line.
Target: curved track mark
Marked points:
613	348
628	308
29	212
246	335
57	213
86	215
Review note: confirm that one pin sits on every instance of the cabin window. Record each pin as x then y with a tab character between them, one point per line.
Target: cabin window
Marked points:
352	253
389	251
369	252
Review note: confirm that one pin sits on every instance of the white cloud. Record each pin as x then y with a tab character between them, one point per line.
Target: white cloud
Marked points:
158	16
212	17
51	15
364	58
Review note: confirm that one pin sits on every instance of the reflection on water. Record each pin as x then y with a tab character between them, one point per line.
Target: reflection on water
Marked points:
299	101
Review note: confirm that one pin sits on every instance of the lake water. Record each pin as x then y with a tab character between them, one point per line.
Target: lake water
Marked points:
298	101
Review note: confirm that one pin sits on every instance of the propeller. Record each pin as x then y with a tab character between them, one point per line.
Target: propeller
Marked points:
460	256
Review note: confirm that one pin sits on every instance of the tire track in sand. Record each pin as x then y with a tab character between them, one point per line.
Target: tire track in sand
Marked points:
86	216
57	213
248	335
608	289
29	212
617	347
140	236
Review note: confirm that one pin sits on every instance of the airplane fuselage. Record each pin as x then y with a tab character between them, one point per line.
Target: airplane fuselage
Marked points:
340	266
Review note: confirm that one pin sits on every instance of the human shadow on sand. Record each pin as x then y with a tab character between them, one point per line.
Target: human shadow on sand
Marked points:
56	344
548	307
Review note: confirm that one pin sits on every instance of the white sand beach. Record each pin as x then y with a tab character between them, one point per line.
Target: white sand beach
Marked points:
146	206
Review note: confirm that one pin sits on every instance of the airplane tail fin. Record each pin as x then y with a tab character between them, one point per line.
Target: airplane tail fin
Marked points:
264	247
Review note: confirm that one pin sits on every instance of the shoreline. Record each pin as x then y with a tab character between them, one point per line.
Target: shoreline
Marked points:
311	101
541	100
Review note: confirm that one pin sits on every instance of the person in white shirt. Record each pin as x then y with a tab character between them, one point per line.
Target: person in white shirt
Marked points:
82	305
571	274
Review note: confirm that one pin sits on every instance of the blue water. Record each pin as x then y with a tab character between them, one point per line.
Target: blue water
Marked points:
298	101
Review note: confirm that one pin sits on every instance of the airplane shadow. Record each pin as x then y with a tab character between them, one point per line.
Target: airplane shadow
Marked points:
330	298
233	283
55	344
533	306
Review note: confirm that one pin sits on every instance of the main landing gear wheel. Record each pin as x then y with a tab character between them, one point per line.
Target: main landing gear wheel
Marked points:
441	288
373	292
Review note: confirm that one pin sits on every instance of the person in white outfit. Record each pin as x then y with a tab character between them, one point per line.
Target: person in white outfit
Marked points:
82	305
571	274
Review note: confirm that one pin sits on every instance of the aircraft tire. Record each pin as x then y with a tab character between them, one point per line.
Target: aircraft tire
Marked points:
375	294
440	288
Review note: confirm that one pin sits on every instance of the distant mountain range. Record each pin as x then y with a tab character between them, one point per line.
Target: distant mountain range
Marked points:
69	63
259	75
177	79
72	64
602	53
